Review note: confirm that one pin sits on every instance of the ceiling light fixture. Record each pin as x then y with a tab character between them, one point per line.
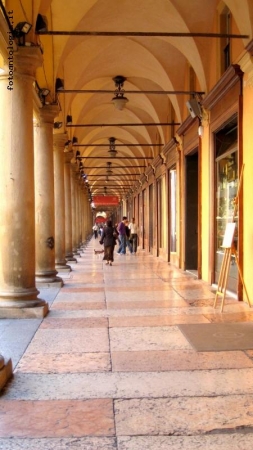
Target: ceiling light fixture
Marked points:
109	170
68	120
112	151
57	125
41	24
119	100
59	84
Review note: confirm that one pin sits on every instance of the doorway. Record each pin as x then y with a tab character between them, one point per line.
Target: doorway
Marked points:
191	213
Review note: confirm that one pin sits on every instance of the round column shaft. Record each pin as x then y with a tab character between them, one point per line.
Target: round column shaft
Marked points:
44	197
68	211
17	204
74	209
60	260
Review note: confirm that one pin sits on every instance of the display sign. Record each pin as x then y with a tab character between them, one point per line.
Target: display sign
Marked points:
229	235
108	200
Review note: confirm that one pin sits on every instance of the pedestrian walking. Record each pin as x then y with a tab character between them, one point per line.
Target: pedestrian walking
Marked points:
109	240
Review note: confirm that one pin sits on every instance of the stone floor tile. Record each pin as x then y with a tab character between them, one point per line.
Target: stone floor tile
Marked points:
196	294
86	443
147	338
170	384
154	321
157	361
215	442
78	305
80	297
131	276
62	418
171	416
188	312
139	289
64	363
83	290
217	317
75	341
89	322
152	295
146	304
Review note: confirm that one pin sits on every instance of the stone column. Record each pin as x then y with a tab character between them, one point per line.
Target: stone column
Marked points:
59	196
44	198
68	212
74	209
78	223
18	293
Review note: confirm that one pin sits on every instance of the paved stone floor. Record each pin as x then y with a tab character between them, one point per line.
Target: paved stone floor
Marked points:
109	368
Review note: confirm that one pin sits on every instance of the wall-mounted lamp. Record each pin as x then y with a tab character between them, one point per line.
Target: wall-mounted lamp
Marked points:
194	108
41	24
69	120
20	31
57	125
200	129
119	100
59	84
41	92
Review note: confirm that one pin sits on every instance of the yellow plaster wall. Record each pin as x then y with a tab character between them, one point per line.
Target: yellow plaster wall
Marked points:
248	185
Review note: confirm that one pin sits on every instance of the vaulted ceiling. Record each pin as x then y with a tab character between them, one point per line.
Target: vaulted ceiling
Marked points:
87	45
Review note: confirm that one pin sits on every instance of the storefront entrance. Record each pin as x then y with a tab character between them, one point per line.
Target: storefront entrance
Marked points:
226	191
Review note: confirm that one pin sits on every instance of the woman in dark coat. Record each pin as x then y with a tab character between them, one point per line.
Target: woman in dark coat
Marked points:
109	241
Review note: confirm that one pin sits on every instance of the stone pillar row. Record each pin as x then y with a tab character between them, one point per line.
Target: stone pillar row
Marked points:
17	198
40	223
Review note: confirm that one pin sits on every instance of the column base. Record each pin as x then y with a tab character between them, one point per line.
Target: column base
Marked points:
5	371
23	309
45	283
63	267
46	277
71	259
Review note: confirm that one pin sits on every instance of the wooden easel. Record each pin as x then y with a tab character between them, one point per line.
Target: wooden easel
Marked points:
228	245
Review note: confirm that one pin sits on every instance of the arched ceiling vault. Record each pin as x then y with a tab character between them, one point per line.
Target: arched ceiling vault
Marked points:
149	63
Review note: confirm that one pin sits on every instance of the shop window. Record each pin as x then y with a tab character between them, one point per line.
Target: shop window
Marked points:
173	210
226	192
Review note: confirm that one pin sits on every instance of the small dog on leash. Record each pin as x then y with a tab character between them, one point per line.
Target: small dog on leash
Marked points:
98	252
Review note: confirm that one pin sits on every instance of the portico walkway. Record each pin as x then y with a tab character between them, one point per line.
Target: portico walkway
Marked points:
109	368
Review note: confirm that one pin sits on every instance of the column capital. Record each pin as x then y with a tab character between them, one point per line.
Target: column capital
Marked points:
26	60
59	140
48	113
68	156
